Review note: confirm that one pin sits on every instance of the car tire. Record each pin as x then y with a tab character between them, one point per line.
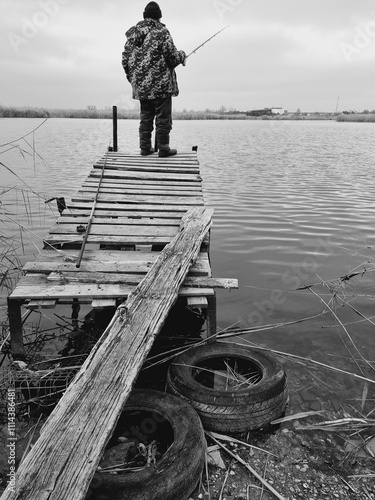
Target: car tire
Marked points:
177	472
226	410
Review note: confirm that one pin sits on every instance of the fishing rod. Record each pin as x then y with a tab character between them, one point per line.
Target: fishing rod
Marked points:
204	43
90	218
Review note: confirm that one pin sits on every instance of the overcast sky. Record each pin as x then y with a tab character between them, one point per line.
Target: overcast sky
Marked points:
307	54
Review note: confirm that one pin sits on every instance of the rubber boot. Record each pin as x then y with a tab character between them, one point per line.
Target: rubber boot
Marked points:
165	151
145	143
149	151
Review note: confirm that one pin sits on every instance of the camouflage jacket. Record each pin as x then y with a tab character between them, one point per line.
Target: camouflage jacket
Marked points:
149	59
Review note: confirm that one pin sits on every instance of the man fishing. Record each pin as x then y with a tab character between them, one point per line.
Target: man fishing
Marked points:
149	60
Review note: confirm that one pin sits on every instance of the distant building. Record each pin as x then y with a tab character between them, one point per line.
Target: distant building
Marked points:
266	112
260	112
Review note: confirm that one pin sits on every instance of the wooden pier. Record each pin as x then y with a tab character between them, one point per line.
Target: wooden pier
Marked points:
135	236
139	203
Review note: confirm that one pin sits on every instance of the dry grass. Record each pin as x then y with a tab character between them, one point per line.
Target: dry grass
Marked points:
13	234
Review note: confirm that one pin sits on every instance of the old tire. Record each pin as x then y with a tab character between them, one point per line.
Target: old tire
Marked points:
177	472
226	410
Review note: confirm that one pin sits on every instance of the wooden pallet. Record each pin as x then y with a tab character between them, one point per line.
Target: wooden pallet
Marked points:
139	203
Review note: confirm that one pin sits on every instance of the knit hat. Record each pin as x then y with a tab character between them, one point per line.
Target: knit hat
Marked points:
152	10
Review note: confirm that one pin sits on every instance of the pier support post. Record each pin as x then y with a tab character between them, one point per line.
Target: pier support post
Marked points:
114	119
15	328
211	316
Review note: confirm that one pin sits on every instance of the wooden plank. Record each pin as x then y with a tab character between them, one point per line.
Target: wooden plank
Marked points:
144	221
154	184
103	303
102	256
183	154
152	160
37	286
117	229
69	239
143	248
116	174
134	279
148	163
62	462
107	267
122	212
197	302
110	261
115	189
44	304
179	168
137	207
138	199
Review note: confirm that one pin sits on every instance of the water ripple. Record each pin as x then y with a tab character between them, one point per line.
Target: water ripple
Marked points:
293	203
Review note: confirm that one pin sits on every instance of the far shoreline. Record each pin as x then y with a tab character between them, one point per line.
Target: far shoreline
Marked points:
129	114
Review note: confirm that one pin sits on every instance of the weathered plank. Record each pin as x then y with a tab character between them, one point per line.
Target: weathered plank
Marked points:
109	261
151	161
154	160
44	304
134	279
104	239
119	221
116	174
116	189
180	168
120	154
37	286
123	229
62	462
103	303
128	205
122	212
135	184
138	198
197	302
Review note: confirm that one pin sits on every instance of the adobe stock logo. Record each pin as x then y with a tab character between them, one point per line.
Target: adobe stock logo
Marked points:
31	27
363	37
224	6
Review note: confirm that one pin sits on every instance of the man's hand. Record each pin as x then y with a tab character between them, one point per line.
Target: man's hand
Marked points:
184	58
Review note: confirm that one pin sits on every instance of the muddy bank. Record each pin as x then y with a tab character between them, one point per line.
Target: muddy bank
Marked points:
297	463
302	464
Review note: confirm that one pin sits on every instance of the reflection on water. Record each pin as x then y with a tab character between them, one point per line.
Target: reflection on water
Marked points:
294	205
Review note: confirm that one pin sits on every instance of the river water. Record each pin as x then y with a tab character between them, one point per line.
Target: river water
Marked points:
294	205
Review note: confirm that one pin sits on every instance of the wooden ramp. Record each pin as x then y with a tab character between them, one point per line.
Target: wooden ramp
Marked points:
63	461
139	203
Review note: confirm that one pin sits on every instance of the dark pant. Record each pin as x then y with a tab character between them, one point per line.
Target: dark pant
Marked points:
161	110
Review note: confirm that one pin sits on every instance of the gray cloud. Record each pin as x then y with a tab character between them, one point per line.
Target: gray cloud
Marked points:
291	53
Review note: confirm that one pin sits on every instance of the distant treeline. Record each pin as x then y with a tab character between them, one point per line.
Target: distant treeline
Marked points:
122	114
90	112
357	117
126	114
129	114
